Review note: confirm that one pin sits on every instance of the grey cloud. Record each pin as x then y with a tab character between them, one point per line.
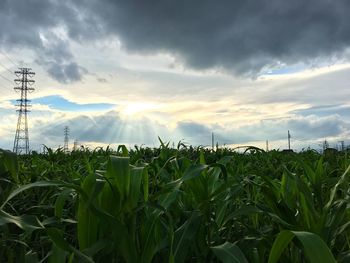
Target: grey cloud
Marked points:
310	128
328	88
338	109
197	133
66	73
302	128
30	24
243	36
102	80
315	127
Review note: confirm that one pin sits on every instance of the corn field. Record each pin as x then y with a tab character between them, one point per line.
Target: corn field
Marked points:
174	205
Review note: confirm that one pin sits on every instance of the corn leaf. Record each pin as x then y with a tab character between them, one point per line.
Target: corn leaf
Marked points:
229	253
315	249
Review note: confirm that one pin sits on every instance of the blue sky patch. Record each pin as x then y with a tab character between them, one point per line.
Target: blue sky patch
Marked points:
59	103
285	70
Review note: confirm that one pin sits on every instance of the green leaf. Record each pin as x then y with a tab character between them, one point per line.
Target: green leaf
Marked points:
25	222
315	249
342	180
97	247
11	163
145	184
87	227
289	189
183	237
29	186
149	237
60	201
242	211
57	238
135	186
279	245
229	253
31	257
118	172
125	152
57	255
193	171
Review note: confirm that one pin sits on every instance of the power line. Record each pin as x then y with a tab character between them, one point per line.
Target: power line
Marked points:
6	68
6	78
6	56
3	86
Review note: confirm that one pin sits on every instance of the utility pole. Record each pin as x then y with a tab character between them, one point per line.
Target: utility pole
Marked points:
212	141
267	145
66	139
21	142
342	144
75	145
289	140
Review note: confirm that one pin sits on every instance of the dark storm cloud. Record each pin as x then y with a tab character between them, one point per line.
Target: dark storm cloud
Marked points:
31	23
242	36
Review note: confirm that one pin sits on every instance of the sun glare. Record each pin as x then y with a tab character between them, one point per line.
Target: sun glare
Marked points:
137	109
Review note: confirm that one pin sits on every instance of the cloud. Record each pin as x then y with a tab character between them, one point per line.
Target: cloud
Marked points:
107	128
66	73
338	109
39	27
201	134
318	127
46	127
102	80
111	128
241	37
303	129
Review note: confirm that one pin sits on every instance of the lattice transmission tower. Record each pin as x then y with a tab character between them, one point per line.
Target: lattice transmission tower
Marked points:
66	138
24	83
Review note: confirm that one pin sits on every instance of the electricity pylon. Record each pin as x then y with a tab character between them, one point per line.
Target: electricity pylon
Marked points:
66	139
21	142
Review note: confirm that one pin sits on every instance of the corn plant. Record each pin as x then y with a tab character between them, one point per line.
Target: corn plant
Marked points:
188	204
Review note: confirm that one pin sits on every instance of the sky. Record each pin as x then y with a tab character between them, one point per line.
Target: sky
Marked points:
127	72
